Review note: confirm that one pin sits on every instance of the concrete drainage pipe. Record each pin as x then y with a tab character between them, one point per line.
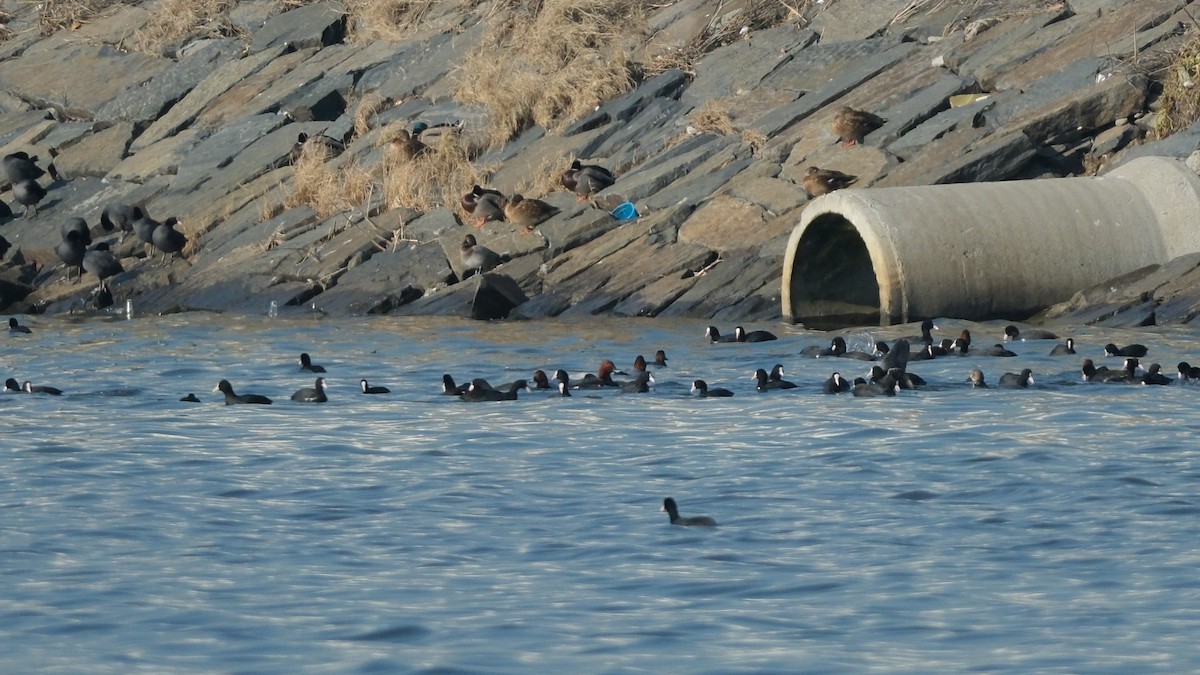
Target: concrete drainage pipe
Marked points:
983	250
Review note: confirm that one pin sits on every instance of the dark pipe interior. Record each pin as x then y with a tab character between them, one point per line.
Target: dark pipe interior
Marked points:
833	282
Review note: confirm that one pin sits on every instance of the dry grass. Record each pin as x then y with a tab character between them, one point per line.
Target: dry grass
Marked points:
370	104
546	178
551	63
54	15
726	28
1179	105
328	189
713	117
435	178
391	20
174	20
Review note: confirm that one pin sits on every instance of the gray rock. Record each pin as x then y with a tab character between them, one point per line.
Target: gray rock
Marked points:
966	156
316	25
235	154
1086	95
736	278
669	84
96	155
54	78
965	117
378	284
148	101
204	93
920	106
741	66
484	296
855	74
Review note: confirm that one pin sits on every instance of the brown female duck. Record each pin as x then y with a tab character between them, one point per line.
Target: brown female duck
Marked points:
528	213
851	125
819	181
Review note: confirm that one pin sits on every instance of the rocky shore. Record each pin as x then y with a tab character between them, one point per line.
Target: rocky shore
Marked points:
712	152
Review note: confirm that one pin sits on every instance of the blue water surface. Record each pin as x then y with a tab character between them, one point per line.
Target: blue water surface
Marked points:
944	530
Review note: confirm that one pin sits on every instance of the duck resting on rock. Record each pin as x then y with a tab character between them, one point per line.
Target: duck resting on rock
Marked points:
586	180
819	181
851	124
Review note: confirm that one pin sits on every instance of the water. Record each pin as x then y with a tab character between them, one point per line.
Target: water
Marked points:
947	530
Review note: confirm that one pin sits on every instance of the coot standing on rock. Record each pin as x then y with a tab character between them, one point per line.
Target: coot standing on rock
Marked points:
77	225
672	510
169	240
102	263
28	193
19	166
119	216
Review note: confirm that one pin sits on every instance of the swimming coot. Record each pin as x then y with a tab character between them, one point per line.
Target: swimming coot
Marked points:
1020	380
231	398
368	389
715	392
315	394
307	364
31	388
1135	350
695	521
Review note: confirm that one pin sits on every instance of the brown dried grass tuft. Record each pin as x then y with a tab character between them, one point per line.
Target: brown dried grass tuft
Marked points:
436	178
174	20
370	104
551	63
54	15
714	117
391	20
1179	105
547	177
328	189
724	29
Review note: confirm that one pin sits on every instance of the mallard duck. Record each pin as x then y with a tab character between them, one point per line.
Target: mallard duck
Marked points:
486	205
408	146
470	200
586	180
851	125
528	213
819	181
328	146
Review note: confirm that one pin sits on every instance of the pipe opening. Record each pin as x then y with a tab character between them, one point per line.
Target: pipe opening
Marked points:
833	283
